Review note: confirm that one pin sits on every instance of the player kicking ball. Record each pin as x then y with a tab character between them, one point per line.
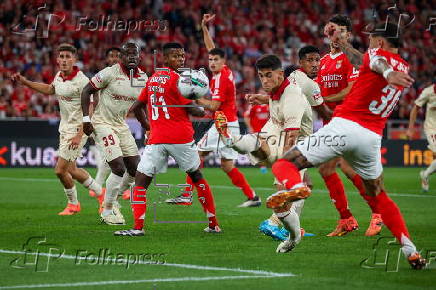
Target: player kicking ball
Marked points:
168	109
361	119
290	118
67	86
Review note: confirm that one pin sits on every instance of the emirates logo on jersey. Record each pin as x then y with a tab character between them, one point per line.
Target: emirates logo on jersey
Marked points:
338	64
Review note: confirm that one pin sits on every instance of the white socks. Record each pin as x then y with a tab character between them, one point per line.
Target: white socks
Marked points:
246	143
430	169
126	182
408	247
91	184
71	194
291	222
113	183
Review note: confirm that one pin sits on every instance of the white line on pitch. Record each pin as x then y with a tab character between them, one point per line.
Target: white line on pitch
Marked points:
186	266
401	194
98	283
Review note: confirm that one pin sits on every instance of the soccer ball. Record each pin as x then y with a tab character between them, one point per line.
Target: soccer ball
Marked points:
193	84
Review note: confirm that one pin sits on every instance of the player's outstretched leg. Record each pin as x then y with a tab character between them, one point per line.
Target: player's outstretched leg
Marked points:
205	197
376	223
393	219
88	182
347	223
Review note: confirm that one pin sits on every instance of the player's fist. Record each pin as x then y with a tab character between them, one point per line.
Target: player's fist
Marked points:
329	29
398	78
256	99
207	18
88	128
17	77
75	141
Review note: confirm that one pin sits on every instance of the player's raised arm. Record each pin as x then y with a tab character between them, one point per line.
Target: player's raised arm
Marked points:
211	105
46	89
208	41
340	37
396	78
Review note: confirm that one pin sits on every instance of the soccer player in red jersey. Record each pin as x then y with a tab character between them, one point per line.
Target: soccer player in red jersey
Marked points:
360	120
161	91
223	99
336	77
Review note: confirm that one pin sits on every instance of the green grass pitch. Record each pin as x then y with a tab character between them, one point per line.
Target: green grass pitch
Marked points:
239	258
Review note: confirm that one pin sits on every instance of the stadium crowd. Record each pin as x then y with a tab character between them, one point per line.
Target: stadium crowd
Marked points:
256	27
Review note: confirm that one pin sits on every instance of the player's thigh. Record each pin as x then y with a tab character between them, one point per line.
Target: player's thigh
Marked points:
127	142
154	160
324	145
210	141
108	140
186	156
68	153
431	138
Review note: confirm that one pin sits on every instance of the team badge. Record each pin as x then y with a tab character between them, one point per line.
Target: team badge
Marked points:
338	64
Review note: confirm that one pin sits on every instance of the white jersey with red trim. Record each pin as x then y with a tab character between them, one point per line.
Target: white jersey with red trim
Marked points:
117	94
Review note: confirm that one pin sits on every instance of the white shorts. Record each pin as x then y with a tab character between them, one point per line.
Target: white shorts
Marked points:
154	158
115	141
64	143
431	138
212	142
341	137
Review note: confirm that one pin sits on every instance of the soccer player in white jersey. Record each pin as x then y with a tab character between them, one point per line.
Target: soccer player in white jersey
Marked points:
67	86
112	57
427	97
119	87
290	118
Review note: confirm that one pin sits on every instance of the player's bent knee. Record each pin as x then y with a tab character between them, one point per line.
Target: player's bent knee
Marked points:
196	175
117	166
297	158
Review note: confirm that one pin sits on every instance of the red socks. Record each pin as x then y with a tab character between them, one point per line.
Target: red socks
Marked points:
286	173
337	194
358	183
206	200
238	179
391	216
139	206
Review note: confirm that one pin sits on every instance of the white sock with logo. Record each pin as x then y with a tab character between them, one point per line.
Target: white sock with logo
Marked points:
91	184
71	194
291	222
126	182
113	183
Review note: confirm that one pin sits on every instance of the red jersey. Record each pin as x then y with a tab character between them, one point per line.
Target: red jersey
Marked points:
168	125
223	89
371	99
335	73
258	115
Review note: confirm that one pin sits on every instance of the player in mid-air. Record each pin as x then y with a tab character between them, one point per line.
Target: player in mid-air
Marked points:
119	86
112	57
67	86
290	118
223	99
427	97
336	77
168	109
361	119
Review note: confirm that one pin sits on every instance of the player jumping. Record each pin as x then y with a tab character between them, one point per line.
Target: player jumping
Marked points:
117	94
361	120
162	91
67	86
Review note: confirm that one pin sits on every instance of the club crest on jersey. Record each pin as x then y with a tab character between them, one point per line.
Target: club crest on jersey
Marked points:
323	66
338	64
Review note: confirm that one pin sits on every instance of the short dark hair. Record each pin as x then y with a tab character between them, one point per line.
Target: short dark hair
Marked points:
290	69
271	61
67	47
342	20
169	45
390	31
218	51
126	45
112	49
306	50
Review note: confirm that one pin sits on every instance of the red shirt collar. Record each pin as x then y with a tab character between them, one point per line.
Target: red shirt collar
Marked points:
278	93
71	75
127	72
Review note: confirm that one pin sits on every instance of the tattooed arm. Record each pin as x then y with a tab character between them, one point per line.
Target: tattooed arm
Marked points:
354	56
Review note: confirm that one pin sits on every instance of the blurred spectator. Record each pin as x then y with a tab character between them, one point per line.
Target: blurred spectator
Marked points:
246	29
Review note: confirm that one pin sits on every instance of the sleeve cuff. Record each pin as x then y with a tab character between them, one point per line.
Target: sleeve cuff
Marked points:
93	85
